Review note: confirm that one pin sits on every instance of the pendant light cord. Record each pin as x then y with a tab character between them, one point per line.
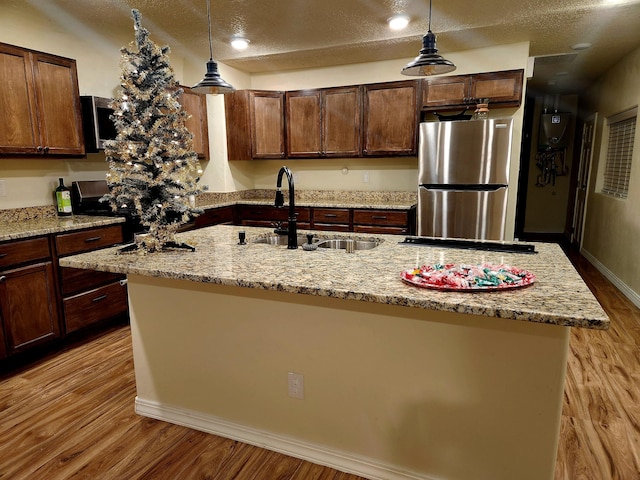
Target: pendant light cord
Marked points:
430	1
209	20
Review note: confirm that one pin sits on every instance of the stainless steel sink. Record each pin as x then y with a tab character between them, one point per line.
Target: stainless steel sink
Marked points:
345	243
322	241
274	239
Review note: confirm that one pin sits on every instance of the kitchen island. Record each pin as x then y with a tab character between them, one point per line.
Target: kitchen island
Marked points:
399	382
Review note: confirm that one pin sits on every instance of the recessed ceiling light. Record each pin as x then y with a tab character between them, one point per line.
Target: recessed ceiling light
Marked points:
240	43
398	22
581	46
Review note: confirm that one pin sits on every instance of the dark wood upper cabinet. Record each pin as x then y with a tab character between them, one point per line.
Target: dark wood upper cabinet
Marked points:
40	112
390	118
255	124
196	106
324	122
303	120
341	121
503	89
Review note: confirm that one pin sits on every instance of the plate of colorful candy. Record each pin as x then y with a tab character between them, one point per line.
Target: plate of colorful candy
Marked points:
470	278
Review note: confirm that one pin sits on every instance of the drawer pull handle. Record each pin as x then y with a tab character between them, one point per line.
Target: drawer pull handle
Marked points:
330	215
379	217
92	239
2	255
100	298
3	278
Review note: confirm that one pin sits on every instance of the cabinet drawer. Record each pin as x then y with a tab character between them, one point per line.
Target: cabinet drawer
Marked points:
380	217
331	215
86	240
268	213
214	216
73	280
24	251
381	230
95	305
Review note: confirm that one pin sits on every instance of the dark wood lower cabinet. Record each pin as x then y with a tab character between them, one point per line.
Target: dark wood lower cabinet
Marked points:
28	306
40	302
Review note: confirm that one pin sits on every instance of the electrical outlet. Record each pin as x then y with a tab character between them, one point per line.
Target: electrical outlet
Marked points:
296	385
365	177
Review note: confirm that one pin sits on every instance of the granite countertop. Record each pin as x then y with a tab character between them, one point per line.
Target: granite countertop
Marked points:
558	297
18	228
382	200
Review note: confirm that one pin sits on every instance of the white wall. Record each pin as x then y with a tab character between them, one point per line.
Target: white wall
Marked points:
612	225
29	181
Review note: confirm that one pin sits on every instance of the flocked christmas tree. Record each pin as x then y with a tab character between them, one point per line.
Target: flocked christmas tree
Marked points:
152	165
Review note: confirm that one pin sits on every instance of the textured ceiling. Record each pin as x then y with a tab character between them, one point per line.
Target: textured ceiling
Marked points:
293	34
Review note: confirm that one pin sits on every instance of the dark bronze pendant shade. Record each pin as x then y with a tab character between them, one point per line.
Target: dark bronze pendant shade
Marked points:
428	62
212	83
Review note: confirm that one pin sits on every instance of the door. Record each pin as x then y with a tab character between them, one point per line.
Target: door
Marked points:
59	108
470	214
303	124
390	118
267	124
584	168
28	306
196	106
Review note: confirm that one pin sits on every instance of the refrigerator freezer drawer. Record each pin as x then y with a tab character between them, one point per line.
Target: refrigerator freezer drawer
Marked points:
478	215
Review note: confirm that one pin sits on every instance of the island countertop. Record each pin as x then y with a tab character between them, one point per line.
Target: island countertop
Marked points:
559	296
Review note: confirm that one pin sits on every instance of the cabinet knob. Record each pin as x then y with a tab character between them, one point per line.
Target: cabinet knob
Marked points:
39	148
3	278
46	149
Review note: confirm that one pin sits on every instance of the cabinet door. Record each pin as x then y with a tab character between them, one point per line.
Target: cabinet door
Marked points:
390	118
341	122
59	108
267	124
28	306
453	91
303	120
196	106
18	117
501	88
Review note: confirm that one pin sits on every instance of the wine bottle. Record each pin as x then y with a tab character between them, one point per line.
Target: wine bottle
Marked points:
63	200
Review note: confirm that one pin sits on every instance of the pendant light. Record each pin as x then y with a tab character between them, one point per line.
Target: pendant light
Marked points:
212	83
428	62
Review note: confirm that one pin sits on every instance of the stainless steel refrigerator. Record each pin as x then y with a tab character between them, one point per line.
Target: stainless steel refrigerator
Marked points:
463	178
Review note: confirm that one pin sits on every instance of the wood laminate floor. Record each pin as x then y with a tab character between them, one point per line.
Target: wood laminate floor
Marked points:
70	416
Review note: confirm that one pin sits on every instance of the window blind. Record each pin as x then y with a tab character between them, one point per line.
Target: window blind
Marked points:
622	132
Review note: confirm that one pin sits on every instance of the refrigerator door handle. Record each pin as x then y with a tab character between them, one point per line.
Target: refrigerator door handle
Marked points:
464	187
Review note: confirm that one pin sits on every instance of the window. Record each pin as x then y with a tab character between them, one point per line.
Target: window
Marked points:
622	131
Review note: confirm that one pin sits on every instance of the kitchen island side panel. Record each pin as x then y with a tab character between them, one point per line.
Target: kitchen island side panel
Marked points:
389	391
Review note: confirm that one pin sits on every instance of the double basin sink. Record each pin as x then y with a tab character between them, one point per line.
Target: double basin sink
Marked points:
321	242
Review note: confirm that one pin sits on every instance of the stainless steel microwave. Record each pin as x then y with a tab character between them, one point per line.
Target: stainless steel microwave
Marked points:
96	122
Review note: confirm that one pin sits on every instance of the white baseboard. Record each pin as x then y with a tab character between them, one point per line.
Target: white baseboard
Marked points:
343	461
633	296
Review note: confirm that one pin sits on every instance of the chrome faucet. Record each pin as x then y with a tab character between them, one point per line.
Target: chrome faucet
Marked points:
292	232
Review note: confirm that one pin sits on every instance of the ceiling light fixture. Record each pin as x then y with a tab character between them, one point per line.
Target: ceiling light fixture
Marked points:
212	83
240	43
581	46
428	62
398	22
